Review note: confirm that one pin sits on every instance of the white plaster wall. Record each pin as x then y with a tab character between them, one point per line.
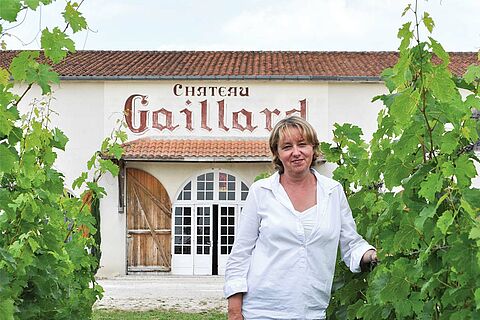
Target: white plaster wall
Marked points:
281	95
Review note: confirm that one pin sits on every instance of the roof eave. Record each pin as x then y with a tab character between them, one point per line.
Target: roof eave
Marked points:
227	77
200	159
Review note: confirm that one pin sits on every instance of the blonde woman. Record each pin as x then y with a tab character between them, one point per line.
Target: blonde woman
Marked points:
283	260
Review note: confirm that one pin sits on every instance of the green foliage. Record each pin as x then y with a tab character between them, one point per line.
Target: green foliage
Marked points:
49	241
410	191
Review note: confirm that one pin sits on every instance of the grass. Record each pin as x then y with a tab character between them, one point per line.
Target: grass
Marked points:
157	315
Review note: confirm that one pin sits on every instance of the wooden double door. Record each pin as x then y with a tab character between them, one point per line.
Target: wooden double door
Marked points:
148	223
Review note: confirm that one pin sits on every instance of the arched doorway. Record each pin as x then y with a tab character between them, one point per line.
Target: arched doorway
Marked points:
148	223
205	216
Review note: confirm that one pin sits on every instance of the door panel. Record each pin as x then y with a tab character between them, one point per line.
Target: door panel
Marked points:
226	234
148	223
202	259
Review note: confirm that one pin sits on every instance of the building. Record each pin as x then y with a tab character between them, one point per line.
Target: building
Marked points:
197	128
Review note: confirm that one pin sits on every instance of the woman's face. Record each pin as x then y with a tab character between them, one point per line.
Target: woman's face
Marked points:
295	153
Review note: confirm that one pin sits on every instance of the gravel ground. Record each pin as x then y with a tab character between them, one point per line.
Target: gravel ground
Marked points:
146	292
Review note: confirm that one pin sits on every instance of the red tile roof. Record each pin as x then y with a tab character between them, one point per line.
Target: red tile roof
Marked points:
197	150
232	64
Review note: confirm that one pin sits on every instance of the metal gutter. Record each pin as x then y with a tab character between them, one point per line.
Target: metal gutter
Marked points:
228	77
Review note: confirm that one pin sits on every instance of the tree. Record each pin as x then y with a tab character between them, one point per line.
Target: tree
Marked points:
410	190
46	236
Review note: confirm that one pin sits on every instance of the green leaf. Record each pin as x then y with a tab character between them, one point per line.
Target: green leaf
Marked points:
116	150
8	157
449	142
427	212
428	22
472	196
59	139
405	34
439	51
395	172
73	17
9	10
108	165
404	105
472	74
406	9
56	44
431	186
474	233
32	4
445	221
477	298
7	307
77	183
45	77
23	65
465	170
4	76
122	135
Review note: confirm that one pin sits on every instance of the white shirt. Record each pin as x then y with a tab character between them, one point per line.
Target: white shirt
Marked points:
283	273
309	219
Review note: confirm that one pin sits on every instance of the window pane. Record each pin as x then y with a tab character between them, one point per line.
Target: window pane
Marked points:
231	196
178	249
210	176
186	250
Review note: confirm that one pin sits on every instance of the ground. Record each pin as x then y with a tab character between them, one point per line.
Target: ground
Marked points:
146	292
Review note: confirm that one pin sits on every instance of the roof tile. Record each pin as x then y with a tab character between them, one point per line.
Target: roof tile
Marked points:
196	149
232	63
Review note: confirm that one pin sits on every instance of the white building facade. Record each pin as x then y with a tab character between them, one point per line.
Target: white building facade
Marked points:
196	144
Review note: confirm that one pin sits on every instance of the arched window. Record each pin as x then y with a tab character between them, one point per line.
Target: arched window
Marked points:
205	216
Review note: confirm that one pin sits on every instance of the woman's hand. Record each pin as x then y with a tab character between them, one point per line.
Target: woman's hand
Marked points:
369	258
235	307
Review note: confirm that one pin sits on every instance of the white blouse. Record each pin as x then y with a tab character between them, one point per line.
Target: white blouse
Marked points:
308	218
283	272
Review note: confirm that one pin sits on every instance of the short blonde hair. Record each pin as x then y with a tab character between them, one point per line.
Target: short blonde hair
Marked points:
282	128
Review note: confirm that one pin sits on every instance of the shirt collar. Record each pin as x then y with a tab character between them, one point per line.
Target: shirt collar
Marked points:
324	185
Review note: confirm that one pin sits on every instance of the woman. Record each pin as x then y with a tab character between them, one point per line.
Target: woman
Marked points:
283	260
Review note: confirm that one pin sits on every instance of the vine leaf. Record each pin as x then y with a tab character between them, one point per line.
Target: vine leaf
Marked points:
8	158
9	10
56	44
74	18
428	22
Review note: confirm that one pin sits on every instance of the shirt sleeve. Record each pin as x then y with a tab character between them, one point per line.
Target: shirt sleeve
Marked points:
352	245
238	261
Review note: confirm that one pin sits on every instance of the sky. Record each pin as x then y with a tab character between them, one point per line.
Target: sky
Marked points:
312	25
